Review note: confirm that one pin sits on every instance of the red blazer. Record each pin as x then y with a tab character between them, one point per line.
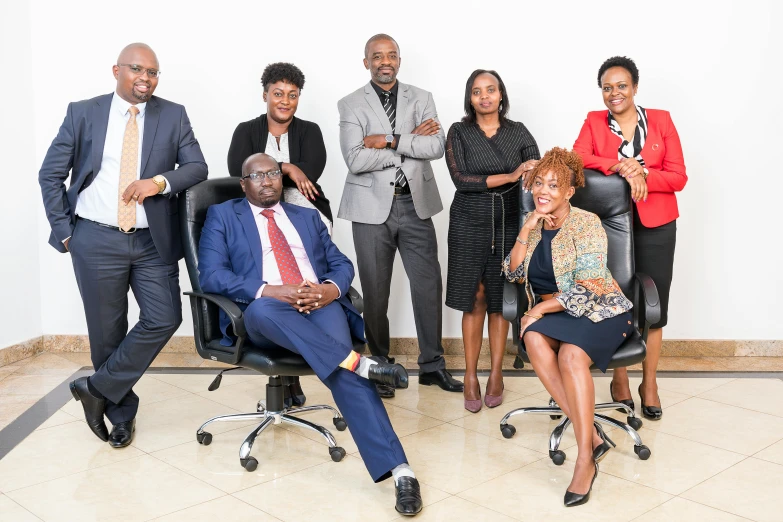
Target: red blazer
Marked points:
662	153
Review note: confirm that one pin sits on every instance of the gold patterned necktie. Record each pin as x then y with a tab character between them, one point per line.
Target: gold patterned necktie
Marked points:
126	214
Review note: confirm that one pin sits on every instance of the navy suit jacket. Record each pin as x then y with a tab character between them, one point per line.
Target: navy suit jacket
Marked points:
78	149
230	258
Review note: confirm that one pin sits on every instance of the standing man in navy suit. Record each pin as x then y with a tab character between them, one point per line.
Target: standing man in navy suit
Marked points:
118	220
278	263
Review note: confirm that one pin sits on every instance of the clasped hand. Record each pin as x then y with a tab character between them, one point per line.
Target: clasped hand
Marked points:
305	297
139	190
633	172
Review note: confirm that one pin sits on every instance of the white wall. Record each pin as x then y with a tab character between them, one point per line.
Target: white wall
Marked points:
20	318
714	66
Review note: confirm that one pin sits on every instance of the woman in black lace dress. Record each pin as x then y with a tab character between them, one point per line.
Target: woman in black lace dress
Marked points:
487	154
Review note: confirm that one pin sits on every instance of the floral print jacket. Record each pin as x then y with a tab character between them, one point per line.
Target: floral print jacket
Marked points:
586	287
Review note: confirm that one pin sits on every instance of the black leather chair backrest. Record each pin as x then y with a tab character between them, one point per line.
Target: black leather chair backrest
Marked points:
609	197
193	205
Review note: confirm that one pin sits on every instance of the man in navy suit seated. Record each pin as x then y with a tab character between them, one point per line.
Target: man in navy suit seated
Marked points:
279	264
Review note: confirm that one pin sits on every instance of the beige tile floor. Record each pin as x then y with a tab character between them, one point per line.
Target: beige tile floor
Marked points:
717	456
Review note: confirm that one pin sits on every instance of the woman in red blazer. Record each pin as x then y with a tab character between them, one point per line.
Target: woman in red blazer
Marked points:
642	146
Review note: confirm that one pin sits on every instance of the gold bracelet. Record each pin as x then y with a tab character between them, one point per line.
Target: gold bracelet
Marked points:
521	242
533	316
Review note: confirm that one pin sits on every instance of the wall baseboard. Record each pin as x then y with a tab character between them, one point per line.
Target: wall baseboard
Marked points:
408	346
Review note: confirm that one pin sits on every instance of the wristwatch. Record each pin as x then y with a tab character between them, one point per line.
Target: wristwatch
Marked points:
160	181
646	173
389	140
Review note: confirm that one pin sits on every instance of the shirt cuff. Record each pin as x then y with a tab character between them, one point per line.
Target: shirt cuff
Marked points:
339	293
166	190
66	239
260	291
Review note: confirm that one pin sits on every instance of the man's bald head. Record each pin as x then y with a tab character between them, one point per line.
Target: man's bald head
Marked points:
135	83
262	192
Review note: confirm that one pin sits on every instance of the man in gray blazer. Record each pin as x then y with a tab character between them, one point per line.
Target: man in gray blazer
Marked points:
118	219
389	133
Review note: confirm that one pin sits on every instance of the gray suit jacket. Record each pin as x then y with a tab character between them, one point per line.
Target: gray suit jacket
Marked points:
77	151
369	186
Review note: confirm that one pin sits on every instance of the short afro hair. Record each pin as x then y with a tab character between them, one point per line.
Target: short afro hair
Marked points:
282	71
566	164
620	61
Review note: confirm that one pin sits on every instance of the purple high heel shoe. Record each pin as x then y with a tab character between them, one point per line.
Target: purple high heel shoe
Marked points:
493	401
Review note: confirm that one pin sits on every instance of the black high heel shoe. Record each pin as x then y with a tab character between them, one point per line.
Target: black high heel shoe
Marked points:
627	402
603	449
572	499
651	412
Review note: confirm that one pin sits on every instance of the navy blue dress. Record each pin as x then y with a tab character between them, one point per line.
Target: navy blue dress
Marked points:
599	340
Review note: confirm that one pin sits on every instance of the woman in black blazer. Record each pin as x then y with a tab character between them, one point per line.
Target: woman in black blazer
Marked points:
298	145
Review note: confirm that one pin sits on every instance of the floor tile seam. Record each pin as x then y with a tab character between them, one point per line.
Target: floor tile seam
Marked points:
658	430
653	508
765	449
176	469
735	406
420	413
22	507
6	492
254	507
503	474
496	439
714	507
156	517
708	479
55	426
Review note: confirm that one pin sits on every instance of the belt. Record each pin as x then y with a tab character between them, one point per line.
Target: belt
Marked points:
401	191
502	216
104	225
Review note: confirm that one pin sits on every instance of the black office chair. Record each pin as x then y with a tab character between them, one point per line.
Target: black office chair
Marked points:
276	363
609	197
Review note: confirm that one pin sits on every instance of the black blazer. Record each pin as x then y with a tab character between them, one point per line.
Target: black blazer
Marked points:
305	147
78	150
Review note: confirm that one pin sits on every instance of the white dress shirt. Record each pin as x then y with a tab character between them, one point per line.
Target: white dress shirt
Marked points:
100	201
270	268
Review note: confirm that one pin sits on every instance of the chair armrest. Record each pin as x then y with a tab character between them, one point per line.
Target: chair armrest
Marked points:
356	300
650	310
513	301
229	307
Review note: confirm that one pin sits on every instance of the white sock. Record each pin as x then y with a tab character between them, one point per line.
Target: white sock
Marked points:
363	370
403	470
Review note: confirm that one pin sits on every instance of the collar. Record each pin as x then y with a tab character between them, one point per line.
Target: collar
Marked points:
380	92
277	209
122	106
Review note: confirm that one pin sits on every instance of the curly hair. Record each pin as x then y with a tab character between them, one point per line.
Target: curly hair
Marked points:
620	61
566	165
282	72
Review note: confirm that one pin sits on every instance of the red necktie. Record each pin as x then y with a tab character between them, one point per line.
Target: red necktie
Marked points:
286	263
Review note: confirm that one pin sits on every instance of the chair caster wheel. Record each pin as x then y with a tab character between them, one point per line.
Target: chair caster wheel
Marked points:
643	452
204	438
558	457
339	423
250	463
553	404
508	431
337	453
635	422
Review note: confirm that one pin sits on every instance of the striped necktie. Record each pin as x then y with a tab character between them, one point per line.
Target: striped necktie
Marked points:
391	112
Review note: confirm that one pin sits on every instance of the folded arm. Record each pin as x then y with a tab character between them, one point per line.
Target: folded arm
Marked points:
359	159
584	147
423	147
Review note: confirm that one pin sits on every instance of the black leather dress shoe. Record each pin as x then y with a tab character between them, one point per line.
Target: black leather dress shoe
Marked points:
298	397
93	407
385	391
122	434
627	402
408	496
393	375
651	412
441	378
575	499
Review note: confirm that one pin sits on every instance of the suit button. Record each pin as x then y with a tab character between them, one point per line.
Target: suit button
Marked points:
623	335
391	184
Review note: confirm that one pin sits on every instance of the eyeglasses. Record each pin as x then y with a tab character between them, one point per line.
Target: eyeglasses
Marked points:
258	177
138	70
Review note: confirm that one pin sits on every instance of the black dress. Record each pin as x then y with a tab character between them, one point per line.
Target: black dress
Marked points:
599	340
483	223
305	147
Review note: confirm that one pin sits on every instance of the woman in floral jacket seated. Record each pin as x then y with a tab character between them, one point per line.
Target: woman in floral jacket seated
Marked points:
581	317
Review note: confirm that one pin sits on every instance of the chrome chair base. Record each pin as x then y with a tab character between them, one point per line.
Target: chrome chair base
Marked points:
268	418
556	454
